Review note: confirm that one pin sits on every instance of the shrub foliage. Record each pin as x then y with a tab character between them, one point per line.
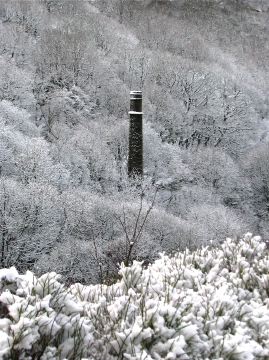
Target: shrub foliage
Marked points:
208	304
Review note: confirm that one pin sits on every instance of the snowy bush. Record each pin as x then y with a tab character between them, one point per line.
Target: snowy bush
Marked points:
207	304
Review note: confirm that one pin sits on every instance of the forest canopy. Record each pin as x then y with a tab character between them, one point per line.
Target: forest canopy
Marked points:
66	71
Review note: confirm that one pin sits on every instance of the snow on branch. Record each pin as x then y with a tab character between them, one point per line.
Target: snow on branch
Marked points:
207	304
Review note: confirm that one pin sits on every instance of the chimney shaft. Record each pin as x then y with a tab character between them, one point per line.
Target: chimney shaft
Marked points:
135	160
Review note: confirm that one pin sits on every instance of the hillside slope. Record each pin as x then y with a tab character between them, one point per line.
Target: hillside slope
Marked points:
66	70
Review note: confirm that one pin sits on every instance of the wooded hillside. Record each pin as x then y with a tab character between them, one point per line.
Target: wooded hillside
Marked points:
66	70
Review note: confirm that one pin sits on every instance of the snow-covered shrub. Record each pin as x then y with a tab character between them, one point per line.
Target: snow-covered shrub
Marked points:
211	223
30	221
16	87
207	304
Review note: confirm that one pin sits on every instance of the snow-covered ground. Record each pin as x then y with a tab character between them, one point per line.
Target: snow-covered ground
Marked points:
208	304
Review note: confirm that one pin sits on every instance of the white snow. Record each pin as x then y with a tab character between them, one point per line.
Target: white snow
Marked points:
207	304
92	9
135	113
8	274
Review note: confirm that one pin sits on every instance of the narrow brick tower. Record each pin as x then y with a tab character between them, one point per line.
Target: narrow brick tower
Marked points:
135	160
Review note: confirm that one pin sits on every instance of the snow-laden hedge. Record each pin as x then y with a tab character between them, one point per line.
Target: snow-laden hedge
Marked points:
207	304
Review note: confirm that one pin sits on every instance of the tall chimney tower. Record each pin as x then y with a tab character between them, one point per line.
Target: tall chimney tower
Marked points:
135	160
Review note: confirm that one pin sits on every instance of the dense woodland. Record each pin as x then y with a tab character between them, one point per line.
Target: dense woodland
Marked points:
66	70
